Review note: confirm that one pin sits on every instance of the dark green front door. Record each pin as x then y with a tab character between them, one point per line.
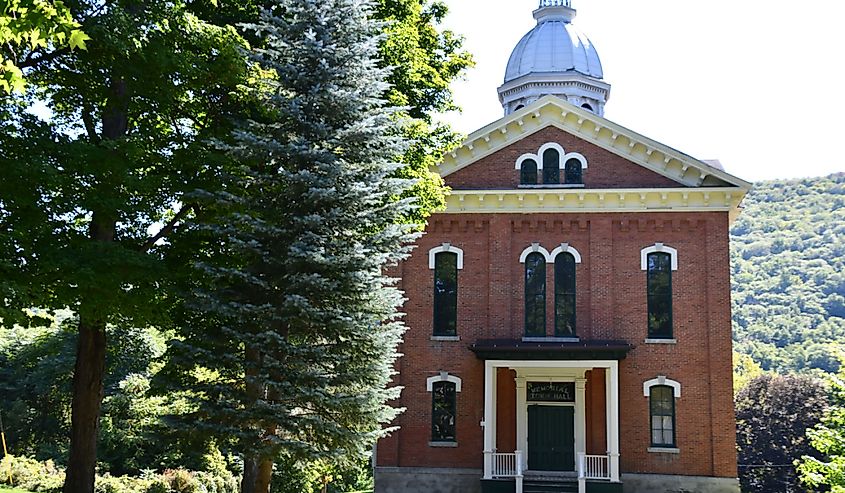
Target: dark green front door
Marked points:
551	438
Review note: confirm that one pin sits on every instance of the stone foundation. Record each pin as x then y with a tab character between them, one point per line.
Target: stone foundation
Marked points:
427	480
659	483
446	480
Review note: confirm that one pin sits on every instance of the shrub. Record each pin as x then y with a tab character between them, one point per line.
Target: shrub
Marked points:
45	477
30	474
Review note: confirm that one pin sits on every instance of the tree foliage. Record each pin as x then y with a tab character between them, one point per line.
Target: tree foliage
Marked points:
424	61
290	331
32	31
90	195
773	414
826	465
788	282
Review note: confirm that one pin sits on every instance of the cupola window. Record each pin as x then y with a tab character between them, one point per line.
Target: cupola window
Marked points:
551	166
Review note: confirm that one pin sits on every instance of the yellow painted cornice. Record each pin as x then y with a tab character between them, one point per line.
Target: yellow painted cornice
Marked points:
553	111
581	200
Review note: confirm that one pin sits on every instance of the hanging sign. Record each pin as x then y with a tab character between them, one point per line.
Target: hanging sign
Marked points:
551	391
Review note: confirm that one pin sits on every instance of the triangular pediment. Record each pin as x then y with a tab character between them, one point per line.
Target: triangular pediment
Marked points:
551	111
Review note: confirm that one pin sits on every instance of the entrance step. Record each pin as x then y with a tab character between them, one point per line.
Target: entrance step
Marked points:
550	485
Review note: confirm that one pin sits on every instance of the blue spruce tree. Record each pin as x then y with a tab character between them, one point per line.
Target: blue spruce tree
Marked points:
291	326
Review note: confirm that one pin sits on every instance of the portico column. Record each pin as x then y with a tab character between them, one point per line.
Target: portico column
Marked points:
580	416
489	418
612	386
522	421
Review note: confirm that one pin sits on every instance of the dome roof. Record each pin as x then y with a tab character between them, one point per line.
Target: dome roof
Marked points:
554	45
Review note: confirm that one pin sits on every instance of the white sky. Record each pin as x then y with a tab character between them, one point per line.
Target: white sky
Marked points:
759	85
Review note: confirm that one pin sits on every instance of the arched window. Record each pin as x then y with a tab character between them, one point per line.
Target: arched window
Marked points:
586	106
443	411
551	166
565	295
528	172
446	294
661	403
573	172
659	287
535	295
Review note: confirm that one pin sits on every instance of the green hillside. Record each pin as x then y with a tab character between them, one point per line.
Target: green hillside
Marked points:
788	263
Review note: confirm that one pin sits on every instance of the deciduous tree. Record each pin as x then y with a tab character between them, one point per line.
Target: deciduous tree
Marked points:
89	197
773	414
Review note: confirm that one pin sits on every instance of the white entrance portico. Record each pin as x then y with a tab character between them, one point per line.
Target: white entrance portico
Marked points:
554	371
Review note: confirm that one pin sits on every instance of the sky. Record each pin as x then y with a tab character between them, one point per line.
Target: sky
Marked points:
759	85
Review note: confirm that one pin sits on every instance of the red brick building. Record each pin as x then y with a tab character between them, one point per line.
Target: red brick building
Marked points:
569	312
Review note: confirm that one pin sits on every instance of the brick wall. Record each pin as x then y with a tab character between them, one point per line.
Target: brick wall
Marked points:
611	304
605	169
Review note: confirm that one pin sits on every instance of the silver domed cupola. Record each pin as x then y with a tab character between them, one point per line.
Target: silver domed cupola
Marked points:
554	58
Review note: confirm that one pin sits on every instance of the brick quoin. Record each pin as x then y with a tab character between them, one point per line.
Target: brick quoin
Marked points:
611	305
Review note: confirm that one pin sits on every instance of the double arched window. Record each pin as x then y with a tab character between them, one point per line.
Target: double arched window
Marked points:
564	259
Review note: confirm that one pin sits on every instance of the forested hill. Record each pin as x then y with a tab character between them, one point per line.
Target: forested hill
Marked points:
788	262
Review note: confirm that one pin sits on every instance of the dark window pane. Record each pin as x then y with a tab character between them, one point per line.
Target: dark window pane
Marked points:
662	411
535	295
573	172
551	166
659	295
565	295
528	173
446	294
443	412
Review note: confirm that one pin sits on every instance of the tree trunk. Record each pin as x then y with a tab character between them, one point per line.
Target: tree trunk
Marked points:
250	474
90	365
265	475
87	397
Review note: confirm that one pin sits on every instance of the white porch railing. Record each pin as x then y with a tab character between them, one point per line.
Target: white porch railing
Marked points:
508	466
593	467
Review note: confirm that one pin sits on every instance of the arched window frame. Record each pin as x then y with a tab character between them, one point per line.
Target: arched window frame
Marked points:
564	248
535	248
648	386
443	377
661	380
581	160
541	153
658	248
445	247
521	161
